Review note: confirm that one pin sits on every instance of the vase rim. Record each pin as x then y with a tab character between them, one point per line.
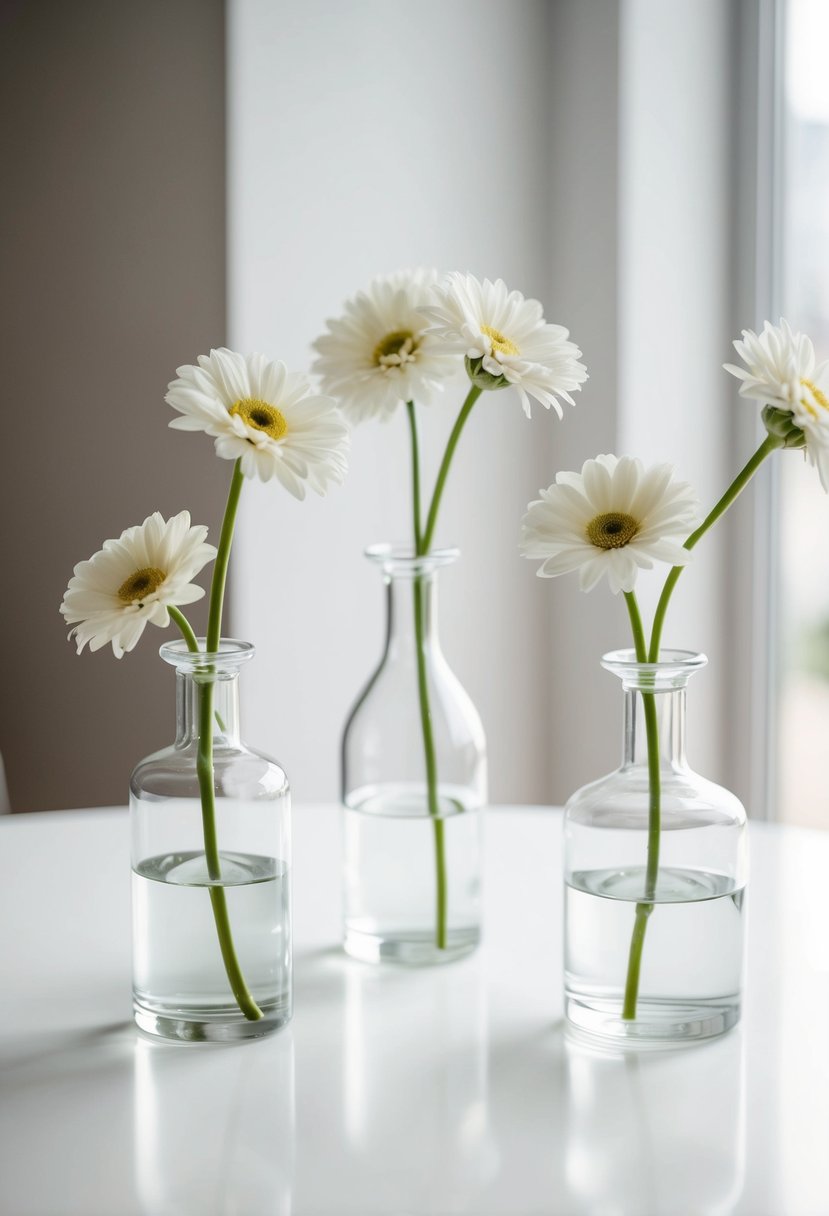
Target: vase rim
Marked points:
674	669
400	558
230	656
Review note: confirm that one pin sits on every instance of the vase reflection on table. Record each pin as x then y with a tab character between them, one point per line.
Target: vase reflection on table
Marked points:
243	1157
414	786
644	1108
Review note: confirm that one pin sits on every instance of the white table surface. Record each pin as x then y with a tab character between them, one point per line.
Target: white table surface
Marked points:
395	1092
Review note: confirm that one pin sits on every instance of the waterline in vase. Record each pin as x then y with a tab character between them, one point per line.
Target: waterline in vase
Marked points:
180	984
390	879
691	971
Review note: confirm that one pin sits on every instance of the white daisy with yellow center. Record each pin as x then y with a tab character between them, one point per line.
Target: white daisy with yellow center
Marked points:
782	373
131	581
613	519
378	354
506	340
266	417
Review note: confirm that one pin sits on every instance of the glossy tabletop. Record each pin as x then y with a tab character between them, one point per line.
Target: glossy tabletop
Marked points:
397	1092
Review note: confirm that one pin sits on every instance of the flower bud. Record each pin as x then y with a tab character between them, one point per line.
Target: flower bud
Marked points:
781	426
481	378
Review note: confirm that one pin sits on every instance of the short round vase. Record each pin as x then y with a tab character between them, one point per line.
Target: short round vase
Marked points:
210	827
413	786
656	867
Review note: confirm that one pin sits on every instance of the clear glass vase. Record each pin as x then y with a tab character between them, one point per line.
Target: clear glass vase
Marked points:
413	786
656	866
210	827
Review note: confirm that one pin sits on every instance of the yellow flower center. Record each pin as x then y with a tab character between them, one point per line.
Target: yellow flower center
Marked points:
141	584
817	398
261	416
612	530
500	344
395	349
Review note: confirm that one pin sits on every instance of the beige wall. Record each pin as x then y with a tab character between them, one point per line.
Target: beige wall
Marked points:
112	207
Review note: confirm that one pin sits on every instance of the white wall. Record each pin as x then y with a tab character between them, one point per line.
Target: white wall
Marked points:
365	137
676	293
579	150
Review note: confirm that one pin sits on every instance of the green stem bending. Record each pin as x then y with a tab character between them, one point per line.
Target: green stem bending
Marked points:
410	408
185	628
734	490
423	537
418	592
217	587
646	906
204	760
443	472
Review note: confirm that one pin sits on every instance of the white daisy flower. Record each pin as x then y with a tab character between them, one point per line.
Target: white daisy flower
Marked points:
781	372
378	355
506	340
265	416
131	581
615	518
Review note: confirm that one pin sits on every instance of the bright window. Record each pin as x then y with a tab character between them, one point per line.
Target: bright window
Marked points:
803	539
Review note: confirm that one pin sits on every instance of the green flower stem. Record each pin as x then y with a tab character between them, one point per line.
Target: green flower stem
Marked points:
204	760
637	628
217	587
734	490
410	408
418	591
644	909
185	627
431	519
423	545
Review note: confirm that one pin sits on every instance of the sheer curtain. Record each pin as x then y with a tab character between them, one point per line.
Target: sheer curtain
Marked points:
584	153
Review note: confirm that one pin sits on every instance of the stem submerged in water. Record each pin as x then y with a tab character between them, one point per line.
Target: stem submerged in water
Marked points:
422	543
418	592
204	760
644	909
651	655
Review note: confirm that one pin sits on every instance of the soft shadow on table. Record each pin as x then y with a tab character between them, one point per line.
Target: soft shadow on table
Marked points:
106	1046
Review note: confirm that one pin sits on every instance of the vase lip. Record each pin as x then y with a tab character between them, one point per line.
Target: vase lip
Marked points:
230	656
674	669
400	558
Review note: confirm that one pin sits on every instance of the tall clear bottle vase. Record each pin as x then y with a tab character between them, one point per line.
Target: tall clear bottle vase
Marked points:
210	876
656	865
413	786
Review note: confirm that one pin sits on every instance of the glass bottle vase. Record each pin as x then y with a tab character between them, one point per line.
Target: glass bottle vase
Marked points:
210	828
413	786
656	865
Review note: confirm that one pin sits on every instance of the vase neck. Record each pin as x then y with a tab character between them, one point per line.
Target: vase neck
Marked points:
411	597
663	682
670	716
404	595
214	674
224	720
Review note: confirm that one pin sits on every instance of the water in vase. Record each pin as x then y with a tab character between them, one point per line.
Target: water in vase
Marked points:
178	968
391	874
691	960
